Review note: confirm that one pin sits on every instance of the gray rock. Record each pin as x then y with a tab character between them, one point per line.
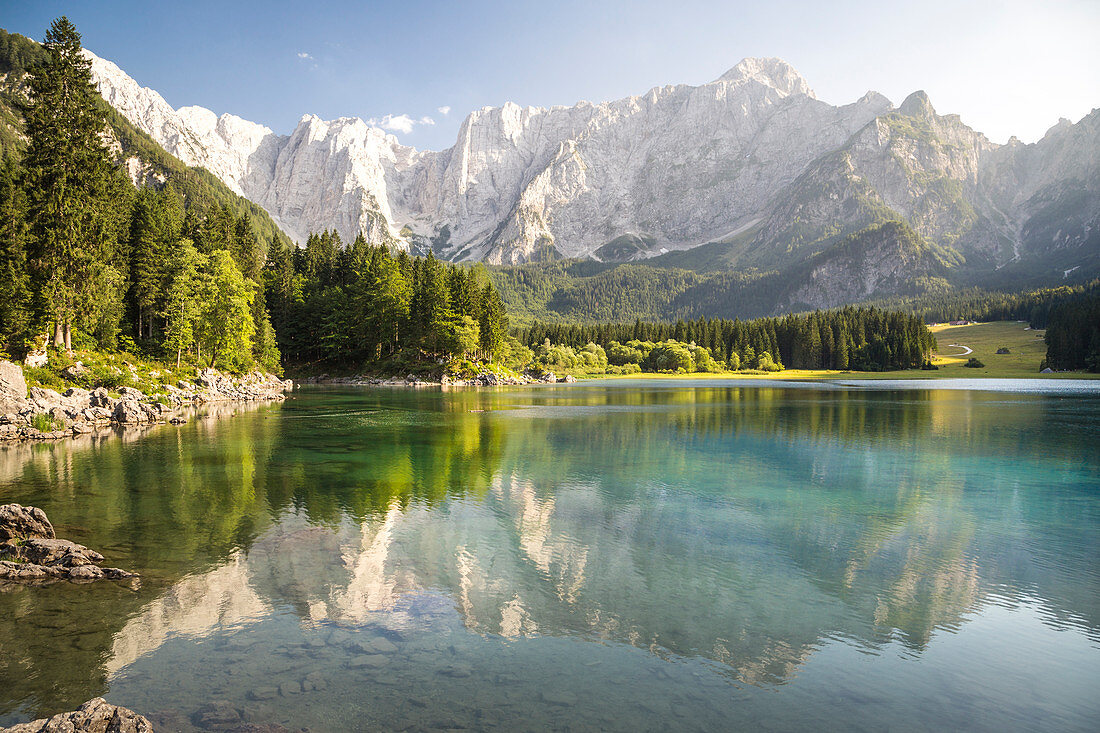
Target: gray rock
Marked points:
45	398
29	551
37	358
128	410
77	396
94	716
217	715
24	522
57	552
100	398
13	387
74	370
85	572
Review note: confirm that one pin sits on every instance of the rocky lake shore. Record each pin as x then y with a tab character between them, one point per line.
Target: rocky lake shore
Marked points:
39	413
485	379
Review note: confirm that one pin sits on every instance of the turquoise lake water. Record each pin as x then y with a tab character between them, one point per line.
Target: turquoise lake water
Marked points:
649	555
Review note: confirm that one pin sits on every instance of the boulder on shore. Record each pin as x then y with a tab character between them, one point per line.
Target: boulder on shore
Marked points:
31	552
18	522
13	387
95	716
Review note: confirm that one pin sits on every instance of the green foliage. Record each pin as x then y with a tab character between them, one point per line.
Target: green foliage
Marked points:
973	363
1073	336
225	326
856	338
182	308
73	193
45	422
44	377
101	264
364	306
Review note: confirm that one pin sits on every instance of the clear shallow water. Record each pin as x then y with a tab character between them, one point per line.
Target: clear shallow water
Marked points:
611	556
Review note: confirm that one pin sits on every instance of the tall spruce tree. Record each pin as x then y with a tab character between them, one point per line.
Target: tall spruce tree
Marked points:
16	312
68	183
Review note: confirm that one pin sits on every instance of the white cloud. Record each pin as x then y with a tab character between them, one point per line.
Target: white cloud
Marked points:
399	123
445	110
304	56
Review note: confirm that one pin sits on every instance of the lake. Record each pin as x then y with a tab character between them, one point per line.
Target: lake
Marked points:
617	555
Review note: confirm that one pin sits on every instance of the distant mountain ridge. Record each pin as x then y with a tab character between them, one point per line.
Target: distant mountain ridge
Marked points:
751	153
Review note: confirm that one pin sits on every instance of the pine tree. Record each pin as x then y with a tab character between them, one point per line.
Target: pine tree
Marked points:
68	178
16	311
429	309
493	323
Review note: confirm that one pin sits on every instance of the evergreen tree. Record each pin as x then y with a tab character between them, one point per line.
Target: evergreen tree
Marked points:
16	308
68	183
493	323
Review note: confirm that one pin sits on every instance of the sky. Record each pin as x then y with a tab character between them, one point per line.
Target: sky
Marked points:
417	68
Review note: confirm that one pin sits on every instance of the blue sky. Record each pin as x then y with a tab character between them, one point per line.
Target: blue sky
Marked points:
1006	67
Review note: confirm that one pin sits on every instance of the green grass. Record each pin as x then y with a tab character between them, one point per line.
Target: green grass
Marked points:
1026	348
45	423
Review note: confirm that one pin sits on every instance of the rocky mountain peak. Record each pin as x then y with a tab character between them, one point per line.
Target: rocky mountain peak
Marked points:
917	104
772	72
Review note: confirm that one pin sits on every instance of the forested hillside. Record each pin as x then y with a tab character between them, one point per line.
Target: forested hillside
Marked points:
144	160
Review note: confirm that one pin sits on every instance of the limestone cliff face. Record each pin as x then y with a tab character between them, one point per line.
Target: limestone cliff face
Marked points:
752	155
879	261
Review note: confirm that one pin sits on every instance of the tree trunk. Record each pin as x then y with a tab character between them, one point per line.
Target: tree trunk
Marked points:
179	353
68	338
58	334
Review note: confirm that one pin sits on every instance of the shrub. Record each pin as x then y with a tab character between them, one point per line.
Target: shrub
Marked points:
973	363
45	422
44	377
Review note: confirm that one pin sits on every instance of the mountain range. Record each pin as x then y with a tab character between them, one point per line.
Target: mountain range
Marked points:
752	161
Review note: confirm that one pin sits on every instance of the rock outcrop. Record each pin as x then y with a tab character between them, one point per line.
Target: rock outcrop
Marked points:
95	716
752	156
47	414
13	387
18	522
484	379
30	552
